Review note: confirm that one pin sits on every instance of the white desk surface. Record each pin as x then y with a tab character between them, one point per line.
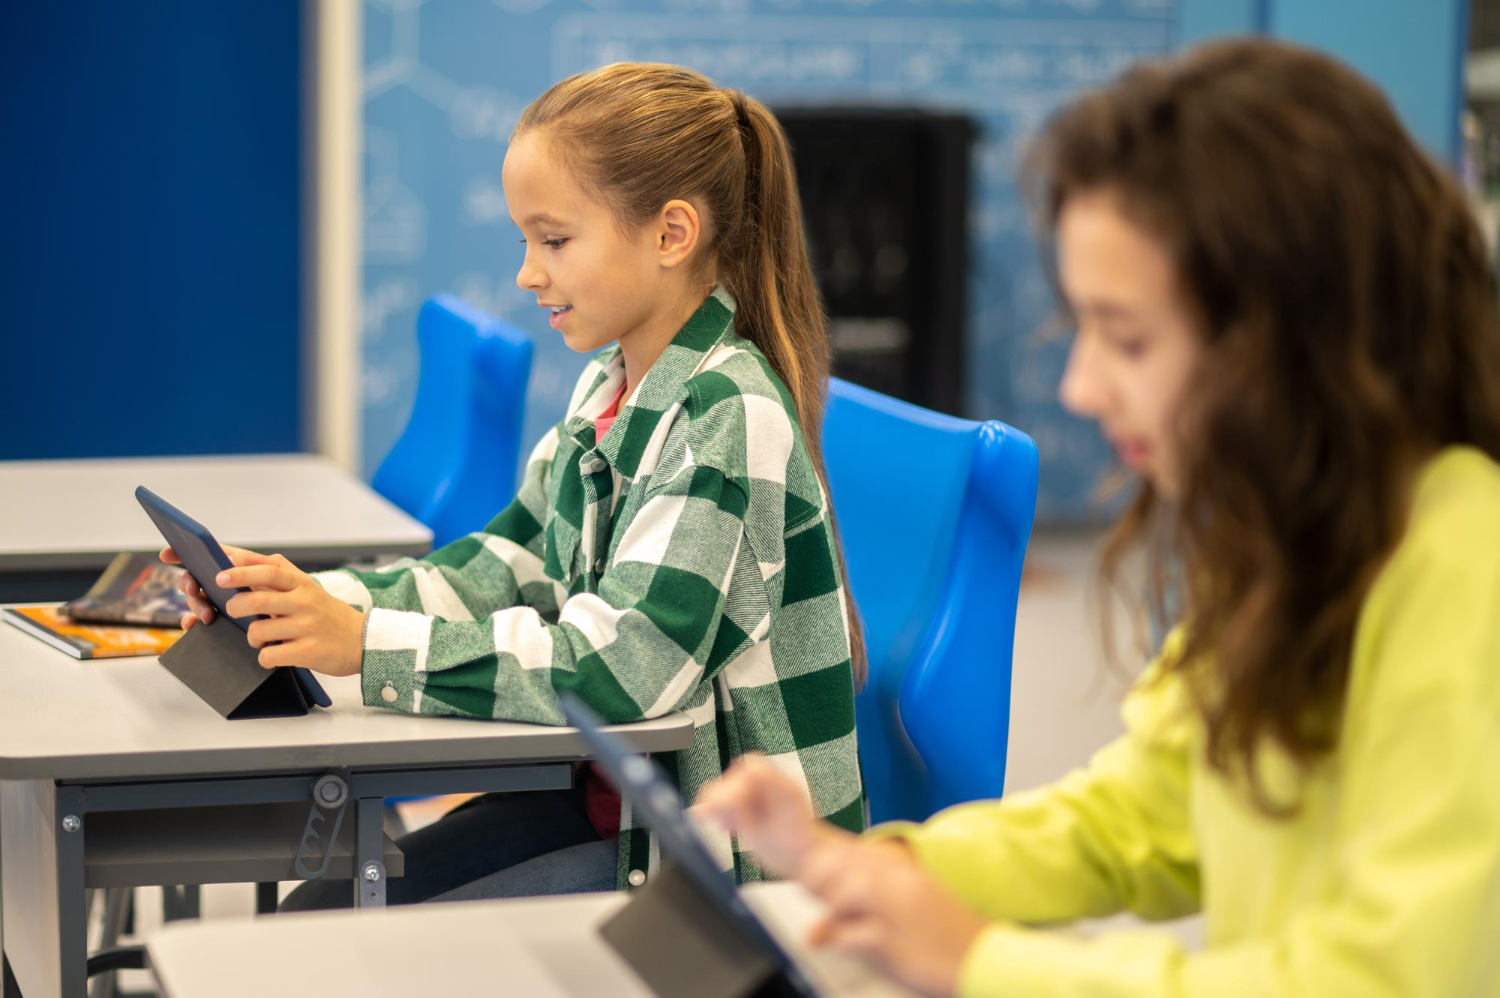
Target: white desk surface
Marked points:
538	947
79	514
62	718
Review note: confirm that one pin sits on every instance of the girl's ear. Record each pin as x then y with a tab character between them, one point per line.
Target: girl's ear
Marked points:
677	231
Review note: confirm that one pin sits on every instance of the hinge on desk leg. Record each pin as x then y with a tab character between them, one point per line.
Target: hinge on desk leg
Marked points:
330	796
371	885
369	853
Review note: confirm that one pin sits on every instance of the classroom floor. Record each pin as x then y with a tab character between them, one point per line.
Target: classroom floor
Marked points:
1065	704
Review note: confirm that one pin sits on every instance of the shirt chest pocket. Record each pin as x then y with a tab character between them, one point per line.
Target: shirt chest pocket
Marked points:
579	553
562	540
582	518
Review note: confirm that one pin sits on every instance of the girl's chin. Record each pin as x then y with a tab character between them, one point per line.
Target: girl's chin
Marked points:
581	341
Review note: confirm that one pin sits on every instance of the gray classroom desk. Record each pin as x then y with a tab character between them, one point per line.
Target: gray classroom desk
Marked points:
536	947
62	521
165	791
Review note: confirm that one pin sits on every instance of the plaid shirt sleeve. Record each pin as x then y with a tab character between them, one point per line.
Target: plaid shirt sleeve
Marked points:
498	567
634	648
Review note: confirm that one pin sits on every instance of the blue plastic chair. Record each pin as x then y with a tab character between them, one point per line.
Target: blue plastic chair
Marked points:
454	466
935	513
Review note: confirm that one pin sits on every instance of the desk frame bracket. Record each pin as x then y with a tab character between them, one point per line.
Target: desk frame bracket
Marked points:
330	799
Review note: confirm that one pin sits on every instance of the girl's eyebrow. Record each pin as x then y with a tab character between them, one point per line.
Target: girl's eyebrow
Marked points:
1107	310
542	218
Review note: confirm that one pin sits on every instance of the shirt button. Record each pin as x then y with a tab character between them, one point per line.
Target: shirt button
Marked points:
599	567
596	465
388	693
637	878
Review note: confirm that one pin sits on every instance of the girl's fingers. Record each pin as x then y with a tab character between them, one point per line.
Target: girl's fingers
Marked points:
275	656
187	622
851	894
258	576
821	931
202	609
821	870
169	556
733	797
731	800
268	601
863	935
717	802
263	632
243	556
845	872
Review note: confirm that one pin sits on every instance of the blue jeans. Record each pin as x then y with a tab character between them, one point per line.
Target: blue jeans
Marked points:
499	845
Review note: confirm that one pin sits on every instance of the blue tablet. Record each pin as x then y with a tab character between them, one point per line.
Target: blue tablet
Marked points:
204	559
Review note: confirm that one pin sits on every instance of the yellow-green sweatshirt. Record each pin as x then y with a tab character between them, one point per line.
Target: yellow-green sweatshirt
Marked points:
1386	882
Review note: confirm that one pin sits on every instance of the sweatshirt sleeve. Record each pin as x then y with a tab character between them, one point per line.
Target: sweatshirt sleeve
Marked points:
1417	914
1110	837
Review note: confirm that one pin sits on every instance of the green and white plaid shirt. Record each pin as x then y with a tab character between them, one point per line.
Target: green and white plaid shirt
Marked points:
684	563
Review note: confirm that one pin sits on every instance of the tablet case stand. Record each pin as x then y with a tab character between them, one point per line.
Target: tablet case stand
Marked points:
217	663
682	946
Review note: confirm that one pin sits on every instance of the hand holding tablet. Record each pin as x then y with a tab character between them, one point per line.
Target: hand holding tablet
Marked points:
202	607
283	611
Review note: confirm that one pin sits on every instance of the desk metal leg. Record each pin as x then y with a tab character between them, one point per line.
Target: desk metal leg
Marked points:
72	920
180	902
117	904
369	855
44	830
8	986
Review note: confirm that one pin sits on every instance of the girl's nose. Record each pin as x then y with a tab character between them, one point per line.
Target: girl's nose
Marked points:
530	277
1083	391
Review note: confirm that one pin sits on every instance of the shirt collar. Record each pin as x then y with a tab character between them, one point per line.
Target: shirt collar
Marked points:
663	386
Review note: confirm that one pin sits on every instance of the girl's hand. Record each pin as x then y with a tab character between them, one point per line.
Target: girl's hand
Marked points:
884	906
202	609
314	629
768	811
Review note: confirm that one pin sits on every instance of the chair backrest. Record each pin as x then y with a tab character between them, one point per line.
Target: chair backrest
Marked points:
454	466
935	513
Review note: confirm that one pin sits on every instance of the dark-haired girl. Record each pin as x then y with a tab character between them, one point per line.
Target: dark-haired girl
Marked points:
1286	324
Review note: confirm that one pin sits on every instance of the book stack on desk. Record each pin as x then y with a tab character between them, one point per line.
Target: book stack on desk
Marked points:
135	608
134	589
48	623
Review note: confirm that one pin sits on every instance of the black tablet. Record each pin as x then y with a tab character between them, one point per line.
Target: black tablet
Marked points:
655	803
204	559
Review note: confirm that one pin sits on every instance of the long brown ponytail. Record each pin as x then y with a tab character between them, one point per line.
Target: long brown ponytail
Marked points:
638	135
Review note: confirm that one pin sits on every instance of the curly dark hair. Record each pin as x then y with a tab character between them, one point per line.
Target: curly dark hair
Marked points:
1348	315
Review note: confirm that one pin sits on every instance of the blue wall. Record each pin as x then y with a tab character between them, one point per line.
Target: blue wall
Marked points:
1414	49
151	247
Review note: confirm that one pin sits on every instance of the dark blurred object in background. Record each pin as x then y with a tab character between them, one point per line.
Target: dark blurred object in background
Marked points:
885	194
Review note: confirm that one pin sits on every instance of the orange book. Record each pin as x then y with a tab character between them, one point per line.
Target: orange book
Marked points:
89	640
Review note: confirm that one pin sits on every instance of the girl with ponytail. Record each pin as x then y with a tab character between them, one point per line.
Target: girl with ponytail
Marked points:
672	547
